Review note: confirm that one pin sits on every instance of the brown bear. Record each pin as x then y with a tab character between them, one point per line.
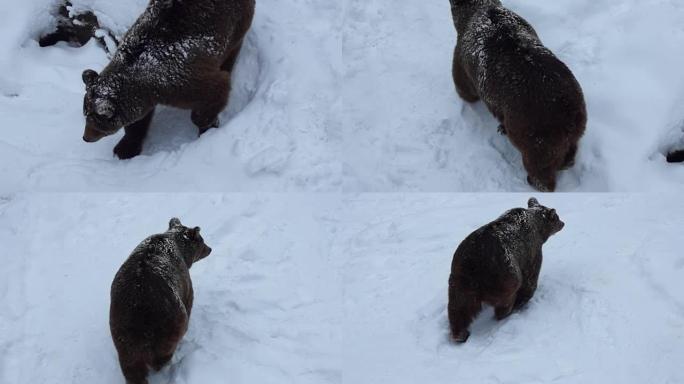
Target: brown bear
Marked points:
178	53
499	265
500	59
151	299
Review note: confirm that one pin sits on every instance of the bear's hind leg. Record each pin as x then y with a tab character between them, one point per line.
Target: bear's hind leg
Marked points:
164	351
229	63
569	160
134	369
462	309
504	301
216	90
529	286
504	309
131	144
161	360
524	296
464	85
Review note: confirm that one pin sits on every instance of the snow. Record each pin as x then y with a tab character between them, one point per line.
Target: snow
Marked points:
277	133
609	307
266	306
351	96
312	282
412	133
345	289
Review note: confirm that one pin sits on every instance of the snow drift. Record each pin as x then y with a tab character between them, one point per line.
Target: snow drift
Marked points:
352	96
345	289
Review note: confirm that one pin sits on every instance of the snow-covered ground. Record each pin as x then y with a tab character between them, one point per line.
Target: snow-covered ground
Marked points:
410	131
354	96
276	134
346	289
266	300
609	307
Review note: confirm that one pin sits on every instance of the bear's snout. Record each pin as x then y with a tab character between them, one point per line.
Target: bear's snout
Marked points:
560	226
203	252
91	135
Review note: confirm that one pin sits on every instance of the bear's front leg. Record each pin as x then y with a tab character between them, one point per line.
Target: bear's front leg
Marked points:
216	90
569	160
529	286
131	144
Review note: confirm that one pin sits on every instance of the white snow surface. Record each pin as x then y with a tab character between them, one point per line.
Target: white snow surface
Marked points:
346	289
266	306
275	133
351	96
609	307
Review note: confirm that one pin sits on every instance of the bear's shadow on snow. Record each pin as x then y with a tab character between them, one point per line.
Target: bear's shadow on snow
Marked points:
171	128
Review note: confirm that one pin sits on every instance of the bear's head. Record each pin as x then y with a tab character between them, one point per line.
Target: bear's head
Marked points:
189	241
101	106
549	221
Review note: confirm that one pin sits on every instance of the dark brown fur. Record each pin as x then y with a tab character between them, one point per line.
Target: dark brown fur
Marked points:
499	58
178	53
151	299
499	265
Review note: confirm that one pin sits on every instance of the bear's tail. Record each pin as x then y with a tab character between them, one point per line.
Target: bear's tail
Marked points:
676	156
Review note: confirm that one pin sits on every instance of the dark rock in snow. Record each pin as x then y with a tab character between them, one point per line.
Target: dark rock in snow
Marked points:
77	29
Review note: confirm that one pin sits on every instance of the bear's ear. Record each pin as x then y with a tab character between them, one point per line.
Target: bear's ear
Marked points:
532	202
174	222
195	233
104	107
89	77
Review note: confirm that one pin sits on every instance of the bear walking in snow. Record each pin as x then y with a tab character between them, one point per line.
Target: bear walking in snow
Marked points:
178	53
151	299
500	59
499	264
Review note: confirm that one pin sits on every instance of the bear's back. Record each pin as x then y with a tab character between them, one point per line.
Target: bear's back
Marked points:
517	73
170	35
152	284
